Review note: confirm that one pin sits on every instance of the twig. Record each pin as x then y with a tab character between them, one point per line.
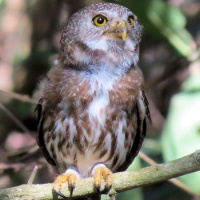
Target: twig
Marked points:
23	153
146	158
24	98
12	116
175	181
121	181
33	174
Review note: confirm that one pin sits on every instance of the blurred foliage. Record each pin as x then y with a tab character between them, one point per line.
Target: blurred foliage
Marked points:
192	84
2	6
29	42
181	134
161	19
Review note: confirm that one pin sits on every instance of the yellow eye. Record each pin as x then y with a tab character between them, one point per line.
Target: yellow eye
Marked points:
100	20
131	20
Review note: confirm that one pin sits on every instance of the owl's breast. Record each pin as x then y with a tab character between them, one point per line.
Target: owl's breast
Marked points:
101	132
94	123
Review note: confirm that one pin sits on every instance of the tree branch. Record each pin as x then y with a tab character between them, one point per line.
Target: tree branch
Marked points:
174	181
21	97
121	181
14	118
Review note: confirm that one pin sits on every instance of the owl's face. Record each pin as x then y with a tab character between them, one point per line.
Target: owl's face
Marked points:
100	35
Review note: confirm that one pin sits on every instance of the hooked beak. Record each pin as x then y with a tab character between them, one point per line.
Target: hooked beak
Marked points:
118	30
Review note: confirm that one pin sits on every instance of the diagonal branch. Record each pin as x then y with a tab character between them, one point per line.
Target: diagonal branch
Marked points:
121	181
175	181
21	97
14	118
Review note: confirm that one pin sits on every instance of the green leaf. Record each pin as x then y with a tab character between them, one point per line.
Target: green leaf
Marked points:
170	16
192	83
171	22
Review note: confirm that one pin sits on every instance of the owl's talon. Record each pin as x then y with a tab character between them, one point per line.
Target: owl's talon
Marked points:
71	189
60	193
101	172
69	176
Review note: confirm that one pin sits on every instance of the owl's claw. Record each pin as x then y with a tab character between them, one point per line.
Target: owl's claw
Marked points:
101	172
70	177
60	193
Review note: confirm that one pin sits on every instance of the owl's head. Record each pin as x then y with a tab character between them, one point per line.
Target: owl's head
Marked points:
102	34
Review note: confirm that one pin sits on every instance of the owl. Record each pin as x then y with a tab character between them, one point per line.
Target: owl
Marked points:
92	112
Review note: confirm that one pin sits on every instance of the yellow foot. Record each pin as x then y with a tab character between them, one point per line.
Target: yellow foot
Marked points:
101	172
70	176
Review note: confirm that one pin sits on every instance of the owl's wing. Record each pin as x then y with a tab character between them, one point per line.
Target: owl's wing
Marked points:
143	113
40	137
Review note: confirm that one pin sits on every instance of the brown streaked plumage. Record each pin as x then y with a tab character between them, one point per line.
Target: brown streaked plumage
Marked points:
92	112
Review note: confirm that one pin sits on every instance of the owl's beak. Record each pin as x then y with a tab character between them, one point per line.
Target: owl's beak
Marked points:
118	30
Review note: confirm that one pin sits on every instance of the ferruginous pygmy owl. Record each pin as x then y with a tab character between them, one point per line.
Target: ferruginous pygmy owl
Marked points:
92	112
